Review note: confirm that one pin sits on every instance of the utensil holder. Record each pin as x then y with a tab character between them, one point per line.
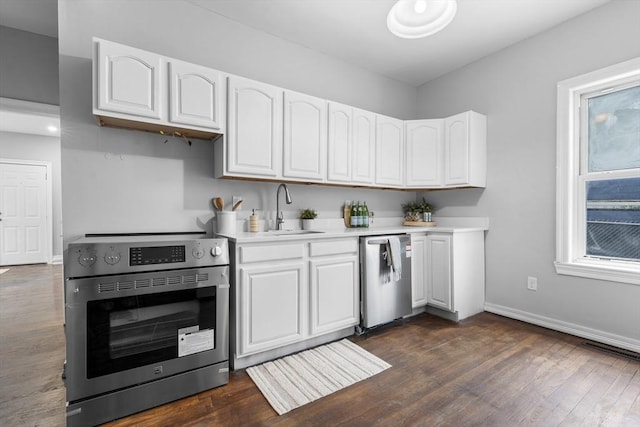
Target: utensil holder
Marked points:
226	222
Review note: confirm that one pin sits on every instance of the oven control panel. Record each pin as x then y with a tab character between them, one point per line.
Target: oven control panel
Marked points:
95	256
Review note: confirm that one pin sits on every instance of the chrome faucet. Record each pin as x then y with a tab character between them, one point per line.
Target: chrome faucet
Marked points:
279	215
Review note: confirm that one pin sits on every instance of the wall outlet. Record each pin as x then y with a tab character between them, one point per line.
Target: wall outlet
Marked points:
532	283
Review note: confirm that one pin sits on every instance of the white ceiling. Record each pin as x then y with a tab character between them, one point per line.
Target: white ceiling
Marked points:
355	30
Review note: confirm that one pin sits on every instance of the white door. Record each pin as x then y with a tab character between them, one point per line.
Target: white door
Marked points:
254	134
456	151
334	294
339	143
128	80
272	309
305	136
364	143
389	151
418	270
195	95
439	280
23	214
423	153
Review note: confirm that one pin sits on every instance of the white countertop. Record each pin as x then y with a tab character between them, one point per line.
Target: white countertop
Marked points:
443	225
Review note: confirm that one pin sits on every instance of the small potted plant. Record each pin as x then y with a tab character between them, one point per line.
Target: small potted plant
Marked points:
307	216
417	211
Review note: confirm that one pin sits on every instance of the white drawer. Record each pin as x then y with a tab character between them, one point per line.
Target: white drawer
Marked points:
260	253
334	247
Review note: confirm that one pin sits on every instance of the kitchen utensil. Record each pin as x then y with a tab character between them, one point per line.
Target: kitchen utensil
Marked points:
218	202
236	205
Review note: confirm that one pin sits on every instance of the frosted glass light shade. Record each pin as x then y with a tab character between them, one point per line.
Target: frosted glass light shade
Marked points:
410	19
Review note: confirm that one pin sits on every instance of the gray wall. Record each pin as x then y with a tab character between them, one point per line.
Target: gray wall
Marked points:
120	180
516	88
28	66
29	72
46	149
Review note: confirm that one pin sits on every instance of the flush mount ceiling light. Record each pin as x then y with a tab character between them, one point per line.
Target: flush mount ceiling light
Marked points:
412	19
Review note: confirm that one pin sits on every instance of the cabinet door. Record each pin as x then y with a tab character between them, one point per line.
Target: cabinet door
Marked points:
305	136
389	151
334	294
439	280
254	134
456	154
339	143
423	153
364	143
418	270
128	80
272	306
195	95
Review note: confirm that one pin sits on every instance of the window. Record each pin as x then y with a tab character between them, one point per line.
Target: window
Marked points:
598	174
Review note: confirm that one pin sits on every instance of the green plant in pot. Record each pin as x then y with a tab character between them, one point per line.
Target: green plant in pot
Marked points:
307	216
414	211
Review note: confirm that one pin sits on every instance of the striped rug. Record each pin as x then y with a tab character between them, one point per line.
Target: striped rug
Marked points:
296	380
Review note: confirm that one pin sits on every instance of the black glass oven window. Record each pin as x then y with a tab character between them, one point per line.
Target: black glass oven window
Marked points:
125	333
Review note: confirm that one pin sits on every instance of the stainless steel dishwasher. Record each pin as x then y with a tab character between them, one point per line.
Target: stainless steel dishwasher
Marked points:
385	279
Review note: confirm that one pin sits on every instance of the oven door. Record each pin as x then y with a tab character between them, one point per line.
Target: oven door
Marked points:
131	329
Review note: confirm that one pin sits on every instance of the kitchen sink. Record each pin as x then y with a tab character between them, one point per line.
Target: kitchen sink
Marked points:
291	232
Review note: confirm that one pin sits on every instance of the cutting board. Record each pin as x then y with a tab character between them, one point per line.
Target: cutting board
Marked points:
419	223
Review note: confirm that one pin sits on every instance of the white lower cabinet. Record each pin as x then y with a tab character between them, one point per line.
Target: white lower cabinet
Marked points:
287	293
439	269
418	270
334	297
272	306
448	272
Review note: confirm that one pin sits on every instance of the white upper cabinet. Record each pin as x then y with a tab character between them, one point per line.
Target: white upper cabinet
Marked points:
142	90
424	159
305	137
364	146
339	143
389	151
195	95
254	134
465	150
128	80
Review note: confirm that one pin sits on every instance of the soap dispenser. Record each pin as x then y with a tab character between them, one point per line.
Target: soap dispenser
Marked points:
253	222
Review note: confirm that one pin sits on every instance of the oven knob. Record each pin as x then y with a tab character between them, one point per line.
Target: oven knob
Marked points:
198	252
112	257
216	251
86	259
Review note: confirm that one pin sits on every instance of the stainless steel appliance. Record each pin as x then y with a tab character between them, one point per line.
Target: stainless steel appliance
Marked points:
385	277
147	322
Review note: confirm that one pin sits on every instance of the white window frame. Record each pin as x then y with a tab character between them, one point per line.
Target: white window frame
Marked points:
570	197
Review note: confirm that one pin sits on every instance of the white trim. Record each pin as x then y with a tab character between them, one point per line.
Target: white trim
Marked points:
566	327
48	201
57	259
569	259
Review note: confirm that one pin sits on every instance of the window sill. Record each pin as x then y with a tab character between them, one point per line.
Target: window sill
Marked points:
613	271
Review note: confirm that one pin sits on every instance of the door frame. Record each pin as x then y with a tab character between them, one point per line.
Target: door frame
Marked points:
48	201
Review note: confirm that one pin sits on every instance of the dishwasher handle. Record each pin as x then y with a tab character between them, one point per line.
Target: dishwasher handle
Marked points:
378	242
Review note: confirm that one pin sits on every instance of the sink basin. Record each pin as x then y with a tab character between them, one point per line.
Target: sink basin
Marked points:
291	232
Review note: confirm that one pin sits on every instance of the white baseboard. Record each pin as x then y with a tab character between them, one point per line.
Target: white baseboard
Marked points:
566	327
57	259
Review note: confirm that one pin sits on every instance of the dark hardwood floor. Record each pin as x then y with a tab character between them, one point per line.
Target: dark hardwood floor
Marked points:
487	370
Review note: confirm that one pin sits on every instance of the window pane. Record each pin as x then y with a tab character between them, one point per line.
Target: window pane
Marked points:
613	218
614	130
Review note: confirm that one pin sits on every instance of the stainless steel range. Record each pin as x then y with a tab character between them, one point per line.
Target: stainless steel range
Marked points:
147	322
